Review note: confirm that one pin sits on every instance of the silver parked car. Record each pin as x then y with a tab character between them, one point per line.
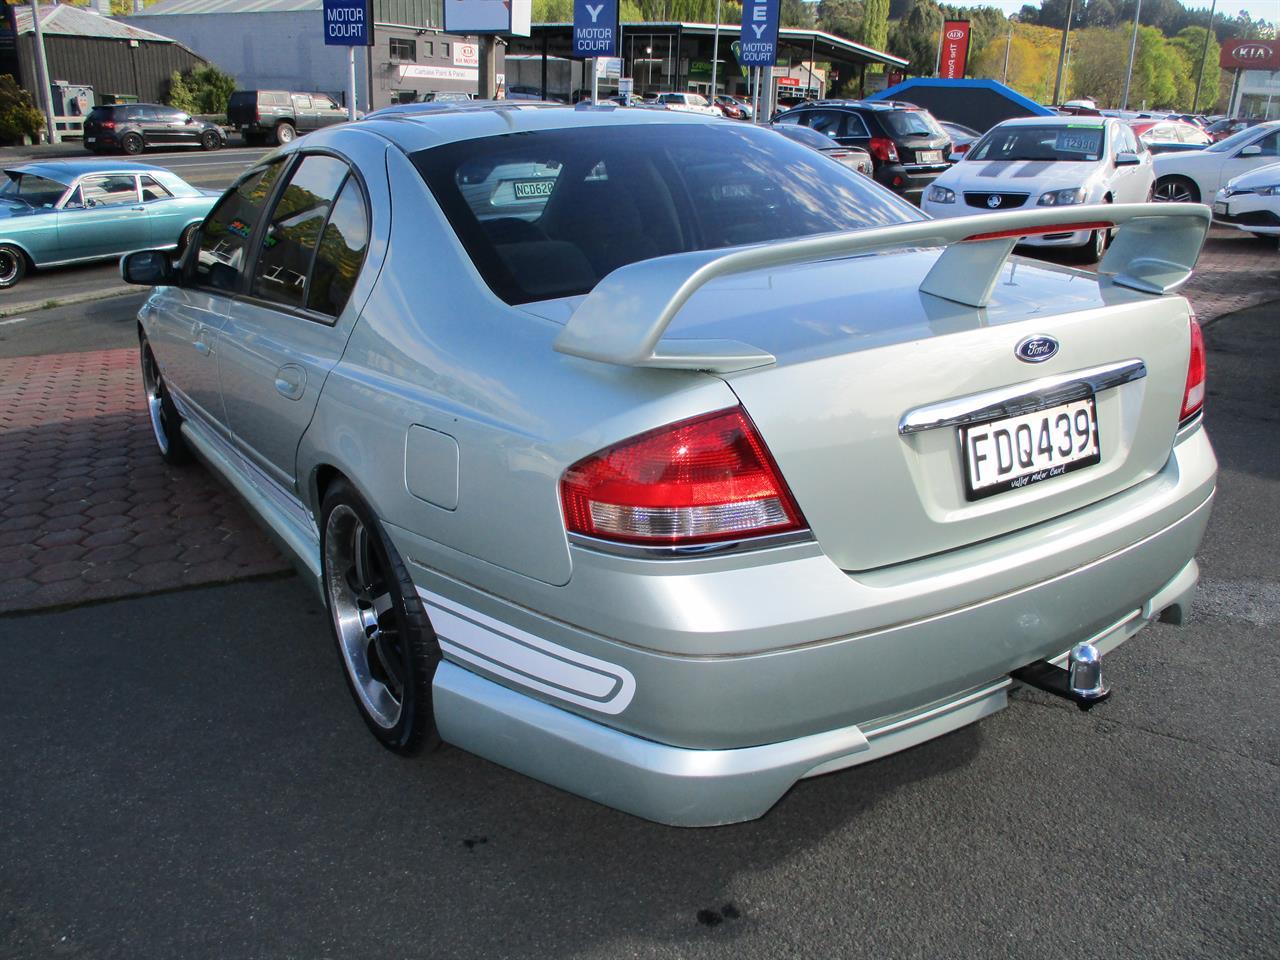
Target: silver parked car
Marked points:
663	460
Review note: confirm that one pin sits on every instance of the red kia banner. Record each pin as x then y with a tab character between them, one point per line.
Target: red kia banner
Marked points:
955	49
1250	55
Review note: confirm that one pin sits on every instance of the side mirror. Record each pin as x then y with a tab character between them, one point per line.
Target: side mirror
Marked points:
148	268
1127	159
1252	150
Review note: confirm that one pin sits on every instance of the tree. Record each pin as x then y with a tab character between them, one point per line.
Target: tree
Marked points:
18	116
915	37
1189	43
796	13
840	17
180	95
875	24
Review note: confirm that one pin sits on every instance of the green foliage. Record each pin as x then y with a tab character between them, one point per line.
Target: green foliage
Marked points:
840	17
874	32
201	90
915	37
1189	43
18	116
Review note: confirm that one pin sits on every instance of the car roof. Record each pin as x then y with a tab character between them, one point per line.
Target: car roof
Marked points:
1067	121
470	120
67	170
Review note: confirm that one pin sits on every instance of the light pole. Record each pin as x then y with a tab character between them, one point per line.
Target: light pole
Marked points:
1133	49
1062	52
1204	53
42	75
715	52
1008	44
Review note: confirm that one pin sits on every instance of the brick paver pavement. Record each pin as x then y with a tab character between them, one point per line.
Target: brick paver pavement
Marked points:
88	510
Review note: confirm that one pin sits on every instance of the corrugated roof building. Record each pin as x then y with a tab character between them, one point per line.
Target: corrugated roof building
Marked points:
279	45
86	48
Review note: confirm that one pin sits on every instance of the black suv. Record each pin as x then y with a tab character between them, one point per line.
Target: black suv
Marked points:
906	144
132	127
278	116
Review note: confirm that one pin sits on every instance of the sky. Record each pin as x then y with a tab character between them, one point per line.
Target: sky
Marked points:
1258	9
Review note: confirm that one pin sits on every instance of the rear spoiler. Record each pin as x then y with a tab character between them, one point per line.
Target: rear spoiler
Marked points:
623	319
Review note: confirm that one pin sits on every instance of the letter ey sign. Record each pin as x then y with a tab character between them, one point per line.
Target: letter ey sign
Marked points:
955	49
595	28
759	44
347	23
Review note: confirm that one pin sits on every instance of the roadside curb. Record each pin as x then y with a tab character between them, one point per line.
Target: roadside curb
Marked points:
10	309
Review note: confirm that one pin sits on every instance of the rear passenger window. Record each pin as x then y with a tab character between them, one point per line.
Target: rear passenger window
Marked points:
224	239
826	122
341	252
152	189
315	240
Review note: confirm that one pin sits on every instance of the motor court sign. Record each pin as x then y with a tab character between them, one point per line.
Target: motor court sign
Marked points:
347	23
595	28
759	43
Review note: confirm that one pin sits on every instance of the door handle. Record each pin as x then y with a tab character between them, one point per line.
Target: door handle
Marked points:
138	209
291	381
202	347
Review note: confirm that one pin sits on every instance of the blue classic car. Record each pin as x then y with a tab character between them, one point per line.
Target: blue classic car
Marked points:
71	211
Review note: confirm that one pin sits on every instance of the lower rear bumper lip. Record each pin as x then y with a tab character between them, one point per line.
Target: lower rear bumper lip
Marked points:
686	787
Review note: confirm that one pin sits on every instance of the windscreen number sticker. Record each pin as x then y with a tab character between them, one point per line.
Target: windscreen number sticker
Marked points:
533	189
1078	142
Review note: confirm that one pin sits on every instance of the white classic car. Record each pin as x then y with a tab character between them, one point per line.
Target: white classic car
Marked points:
1047	162
1195	176
1251	202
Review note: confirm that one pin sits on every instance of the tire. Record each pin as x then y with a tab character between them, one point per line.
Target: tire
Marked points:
1177	189
388	650
185	240
285	133
132	144
166	422
210	141
13	265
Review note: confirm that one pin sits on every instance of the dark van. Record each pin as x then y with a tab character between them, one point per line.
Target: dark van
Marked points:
278	116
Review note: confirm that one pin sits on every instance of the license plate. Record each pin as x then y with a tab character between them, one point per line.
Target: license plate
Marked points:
1018	451
1219	207
90	139
533	189
930	156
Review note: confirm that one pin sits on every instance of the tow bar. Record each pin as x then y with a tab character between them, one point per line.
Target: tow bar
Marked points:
1080	682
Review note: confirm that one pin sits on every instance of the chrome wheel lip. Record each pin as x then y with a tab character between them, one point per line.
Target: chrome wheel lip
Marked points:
153	388
8	268
353	624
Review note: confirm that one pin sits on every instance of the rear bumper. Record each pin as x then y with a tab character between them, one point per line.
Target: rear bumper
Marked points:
698	788
908	180
715	735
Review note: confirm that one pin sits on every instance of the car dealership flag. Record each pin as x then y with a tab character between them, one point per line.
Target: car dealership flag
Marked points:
759	44
595	28
955	49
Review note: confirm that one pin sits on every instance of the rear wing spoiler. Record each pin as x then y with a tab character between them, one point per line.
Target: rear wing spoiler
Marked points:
623	319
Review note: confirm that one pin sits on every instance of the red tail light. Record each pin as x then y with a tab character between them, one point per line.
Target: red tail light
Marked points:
108	124
883	149
700	480
960	147
1193	395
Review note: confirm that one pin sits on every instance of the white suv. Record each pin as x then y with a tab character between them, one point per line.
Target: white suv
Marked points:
688	103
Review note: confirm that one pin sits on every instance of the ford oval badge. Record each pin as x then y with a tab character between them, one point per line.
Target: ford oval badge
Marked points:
1036	349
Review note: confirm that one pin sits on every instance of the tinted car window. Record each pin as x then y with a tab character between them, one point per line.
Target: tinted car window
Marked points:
668	189
224	239
911	123
829	123
293	232
341	252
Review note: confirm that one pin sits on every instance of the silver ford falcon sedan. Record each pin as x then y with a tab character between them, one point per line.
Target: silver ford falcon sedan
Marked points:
671	462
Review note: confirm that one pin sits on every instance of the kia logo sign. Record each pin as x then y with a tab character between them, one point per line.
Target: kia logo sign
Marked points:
1251	55
955	34
1252	51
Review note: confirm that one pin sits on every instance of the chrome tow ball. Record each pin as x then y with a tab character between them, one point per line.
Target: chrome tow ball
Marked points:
1081	681
1084	673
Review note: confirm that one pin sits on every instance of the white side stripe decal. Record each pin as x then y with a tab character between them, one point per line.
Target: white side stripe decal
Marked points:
471	637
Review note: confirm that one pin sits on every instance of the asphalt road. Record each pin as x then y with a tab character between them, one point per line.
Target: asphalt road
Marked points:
184	775
212	171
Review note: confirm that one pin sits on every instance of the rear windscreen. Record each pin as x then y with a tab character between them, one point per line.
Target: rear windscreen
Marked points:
550	213
911	123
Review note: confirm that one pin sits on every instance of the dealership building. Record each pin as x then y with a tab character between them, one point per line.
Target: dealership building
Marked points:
279	45
1256	83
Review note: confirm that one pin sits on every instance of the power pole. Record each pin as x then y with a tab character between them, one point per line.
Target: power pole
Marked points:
1004	77
715	53
1204	53
1133	49
1062	52
42	75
